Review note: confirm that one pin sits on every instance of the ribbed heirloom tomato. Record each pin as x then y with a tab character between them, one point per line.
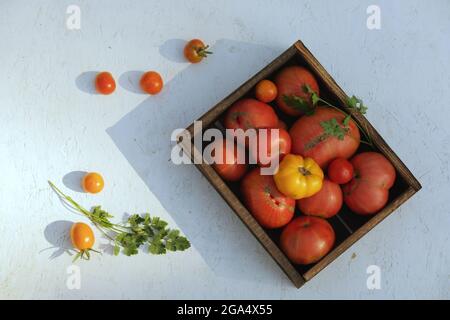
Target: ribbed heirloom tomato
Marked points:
291	81
270	207
298	177
225	152
310	140
368	191
250	114
307	239
325	203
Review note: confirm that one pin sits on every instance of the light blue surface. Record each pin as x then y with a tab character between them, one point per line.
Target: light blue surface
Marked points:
51	126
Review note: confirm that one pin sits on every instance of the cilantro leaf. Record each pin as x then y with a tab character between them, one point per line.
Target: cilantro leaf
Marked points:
138	231
101	217
356	104
315	99
298	103
346	120
332	128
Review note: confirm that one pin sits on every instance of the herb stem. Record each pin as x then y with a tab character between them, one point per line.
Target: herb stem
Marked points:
138	231
369	142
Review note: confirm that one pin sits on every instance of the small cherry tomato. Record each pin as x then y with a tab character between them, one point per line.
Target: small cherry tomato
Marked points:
151	82
82	236
195	50
92	182
105	83
266	91
340	171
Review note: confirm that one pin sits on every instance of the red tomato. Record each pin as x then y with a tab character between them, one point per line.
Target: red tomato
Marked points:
250	113
368	191
227	153
307	239
325	204
307	137
276	147
266	91
151	82
291	81
105	83
340	171
195	50
270	208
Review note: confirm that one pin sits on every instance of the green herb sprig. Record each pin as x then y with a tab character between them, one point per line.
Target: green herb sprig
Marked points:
139	230
331	127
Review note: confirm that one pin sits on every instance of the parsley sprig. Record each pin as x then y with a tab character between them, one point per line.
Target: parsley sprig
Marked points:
139	230
299	103
333	128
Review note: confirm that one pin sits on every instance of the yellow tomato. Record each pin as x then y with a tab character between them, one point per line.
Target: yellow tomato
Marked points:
92	182
298	177
82	236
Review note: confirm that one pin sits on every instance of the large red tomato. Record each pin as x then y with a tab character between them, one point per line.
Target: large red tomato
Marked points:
309	138
368	191
275	147
291	82
250	113
325	203
270	207
226	156
307	239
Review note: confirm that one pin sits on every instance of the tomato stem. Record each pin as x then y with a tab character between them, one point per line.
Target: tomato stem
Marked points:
304	171
203	51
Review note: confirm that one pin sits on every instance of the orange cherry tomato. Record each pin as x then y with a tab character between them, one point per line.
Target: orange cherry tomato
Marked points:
92	182
82	236
105	83
266	91
151	82
195	50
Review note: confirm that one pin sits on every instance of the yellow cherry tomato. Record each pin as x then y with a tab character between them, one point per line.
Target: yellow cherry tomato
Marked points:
92	182
298	177
82	236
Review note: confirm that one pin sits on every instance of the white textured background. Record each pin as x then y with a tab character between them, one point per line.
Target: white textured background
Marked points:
52	126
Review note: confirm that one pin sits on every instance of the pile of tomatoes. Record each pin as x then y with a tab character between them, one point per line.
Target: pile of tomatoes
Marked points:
317	172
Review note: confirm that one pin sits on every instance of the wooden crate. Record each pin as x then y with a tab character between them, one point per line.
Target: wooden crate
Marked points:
349	227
